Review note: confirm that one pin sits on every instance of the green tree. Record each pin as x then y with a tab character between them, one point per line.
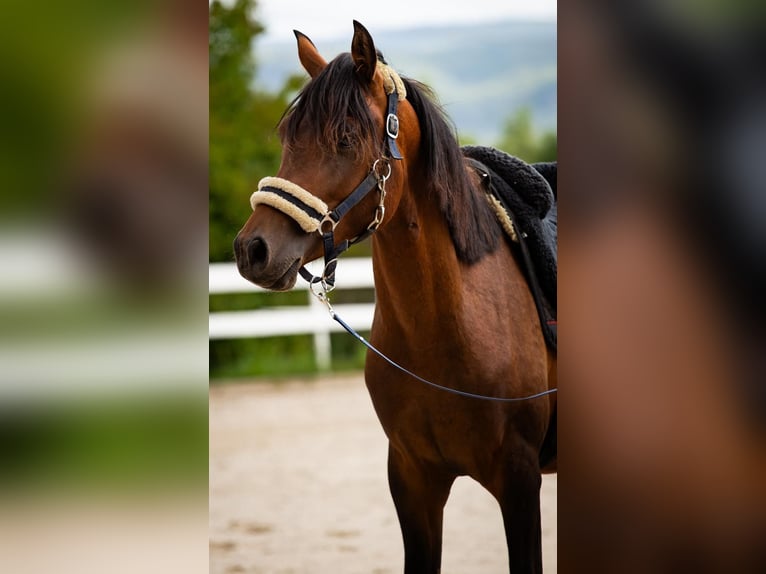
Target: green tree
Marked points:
243	142
520	139
232	66
244	147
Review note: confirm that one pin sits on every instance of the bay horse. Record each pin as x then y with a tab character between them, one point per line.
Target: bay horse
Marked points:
452	303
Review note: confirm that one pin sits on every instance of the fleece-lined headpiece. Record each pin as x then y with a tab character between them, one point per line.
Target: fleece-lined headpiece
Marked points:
391	81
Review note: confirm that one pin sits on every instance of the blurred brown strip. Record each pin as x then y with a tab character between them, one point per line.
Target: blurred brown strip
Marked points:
662	465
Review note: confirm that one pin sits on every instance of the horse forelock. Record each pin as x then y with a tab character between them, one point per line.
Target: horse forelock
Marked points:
331	108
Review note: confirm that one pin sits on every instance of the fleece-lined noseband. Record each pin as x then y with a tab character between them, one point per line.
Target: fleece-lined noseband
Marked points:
313	215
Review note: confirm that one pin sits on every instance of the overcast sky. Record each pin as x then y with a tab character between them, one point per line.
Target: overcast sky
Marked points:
333	18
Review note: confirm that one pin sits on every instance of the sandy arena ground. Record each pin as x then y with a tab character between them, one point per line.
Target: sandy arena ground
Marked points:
298	485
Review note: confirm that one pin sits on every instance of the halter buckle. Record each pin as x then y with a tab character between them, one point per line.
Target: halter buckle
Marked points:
392	126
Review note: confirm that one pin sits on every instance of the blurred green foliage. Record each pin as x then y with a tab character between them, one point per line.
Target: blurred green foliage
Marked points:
46	49
520	139
125	443
244	146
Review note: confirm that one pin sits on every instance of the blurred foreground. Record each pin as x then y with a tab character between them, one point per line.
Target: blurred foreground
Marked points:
663	269
103	330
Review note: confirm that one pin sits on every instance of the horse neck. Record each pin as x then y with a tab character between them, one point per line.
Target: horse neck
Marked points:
415	262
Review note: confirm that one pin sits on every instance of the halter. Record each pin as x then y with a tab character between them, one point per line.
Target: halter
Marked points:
313	215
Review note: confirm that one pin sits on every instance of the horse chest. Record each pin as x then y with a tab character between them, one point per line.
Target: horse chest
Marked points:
437	427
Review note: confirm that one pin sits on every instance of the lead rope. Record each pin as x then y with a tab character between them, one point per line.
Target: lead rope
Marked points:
322	296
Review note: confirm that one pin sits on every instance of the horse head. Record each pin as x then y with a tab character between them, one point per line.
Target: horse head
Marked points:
342	168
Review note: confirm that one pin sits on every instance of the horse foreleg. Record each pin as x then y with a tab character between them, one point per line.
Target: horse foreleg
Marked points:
518	493
419	494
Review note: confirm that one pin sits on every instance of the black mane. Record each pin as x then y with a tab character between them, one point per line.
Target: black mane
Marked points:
471	222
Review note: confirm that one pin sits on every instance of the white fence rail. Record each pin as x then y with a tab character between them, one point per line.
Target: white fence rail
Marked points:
353	273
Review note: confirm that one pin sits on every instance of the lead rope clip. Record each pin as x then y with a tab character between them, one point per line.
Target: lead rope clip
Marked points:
321	290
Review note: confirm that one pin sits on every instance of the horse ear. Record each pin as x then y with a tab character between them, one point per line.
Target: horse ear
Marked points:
309	56
364	54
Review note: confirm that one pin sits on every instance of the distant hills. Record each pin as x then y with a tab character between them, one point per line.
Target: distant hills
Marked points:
482	73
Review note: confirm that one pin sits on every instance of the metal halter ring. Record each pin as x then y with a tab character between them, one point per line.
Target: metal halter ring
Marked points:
326	219
380	175
319	287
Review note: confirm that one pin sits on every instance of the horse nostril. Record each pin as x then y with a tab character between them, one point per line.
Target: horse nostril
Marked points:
258	252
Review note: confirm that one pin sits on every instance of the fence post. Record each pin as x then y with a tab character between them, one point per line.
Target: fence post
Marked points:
322	342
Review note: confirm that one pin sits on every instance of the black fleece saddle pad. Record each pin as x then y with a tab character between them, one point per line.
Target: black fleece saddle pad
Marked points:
528	192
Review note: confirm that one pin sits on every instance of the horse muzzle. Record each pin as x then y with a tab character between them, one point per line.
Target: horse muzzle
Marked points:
270	255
